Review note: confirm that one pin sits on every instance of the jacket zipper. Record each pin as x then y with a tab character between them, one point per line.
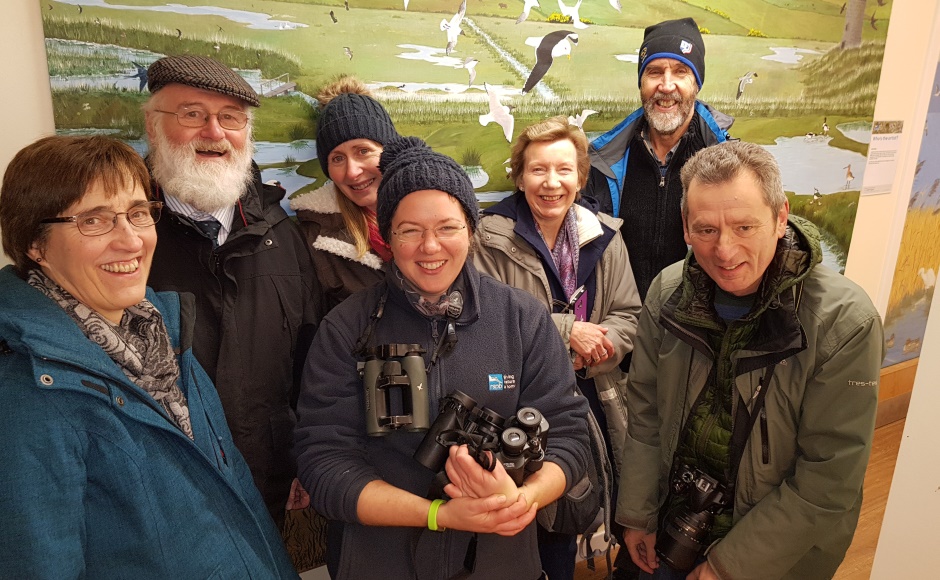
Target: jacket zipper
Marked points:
764	436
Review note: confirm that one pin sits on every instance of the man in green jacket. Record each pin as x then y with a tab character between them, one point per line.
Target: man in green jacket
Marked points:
752	391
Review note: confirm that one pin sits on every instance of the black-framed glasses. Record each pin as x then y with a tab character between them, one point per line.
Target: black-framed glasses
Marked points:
196	117
98	222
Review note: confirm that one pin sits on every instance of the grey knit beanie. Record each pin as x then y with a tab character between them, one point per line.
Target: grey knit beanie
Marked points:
352	116
200	72
409	165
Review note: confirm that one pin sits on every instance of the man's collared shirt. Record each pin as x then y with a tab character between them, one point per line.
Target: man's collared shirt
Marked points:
224	216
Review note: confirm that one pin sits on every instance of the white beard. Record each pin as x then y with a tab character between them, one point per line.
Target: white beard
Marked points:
207	186
668	123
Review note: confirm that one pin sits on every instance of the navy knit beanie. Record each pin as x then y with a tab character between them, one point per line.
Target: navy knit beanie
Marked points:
409	165
676	39
352	116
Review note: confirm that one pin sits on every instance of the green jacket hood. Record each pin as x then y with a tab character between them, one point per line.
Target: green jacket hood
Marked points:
798	252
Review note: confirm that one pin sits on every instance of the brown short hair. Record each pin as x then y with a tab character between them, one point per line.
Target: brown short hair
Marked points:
48	176
548	131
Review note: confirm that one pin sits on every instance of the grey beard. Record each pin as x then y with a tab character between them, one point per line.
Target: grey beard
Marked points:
668	123
207	187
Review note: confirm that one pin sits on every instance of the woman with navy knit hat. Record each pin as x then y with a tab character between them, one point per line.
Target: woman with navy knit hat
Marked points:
494	343
338	219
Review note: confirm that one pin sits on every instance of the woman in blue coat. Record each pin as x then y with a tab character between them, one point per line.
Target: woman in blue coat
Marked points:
117	461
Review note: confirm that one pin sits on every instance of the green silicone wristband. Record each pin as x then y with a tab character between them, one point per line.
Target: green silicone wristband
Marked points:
432	515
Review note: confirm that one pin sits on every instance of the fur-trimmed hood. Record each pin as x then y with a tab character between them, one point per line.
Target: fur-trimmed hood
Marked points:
320	200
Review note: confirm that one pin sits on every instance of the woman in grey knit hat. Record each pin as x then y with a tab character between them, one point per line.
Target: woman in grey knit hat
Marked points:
338	219
364	463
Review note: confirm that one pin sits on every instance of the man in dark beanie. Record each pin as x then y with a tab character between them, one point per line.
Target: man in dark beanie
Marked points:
225	239
635	166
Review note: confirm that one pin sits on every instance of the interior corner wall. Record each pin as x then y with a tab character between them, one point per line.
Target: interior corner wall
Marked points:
907	546
903	94
26	113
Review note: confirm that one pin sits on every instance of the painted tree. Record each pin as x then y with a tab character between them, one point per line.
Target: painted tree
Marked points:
854	21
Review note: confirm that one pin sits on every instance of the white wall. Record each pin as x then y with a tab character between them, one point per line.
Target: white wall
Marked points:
26	113
907	547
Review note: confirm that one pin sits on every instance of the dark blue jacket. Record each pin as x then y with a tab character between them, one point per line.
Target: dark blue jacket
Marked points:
96	481
508	355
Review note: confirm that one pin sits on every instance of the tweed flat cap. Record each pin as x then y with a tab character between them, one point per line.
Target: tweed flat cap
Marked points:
200	72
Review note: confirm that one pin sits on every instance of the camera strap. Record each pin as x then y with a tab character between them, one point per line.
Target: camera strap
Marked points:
744	420
363	343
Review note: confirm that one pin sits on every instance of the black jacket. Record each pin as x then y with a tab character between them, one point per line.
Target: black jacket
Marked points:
256	311
645	198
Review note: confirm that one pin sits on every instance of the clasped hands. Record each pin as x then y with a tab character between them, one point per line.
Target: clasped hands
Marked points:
482	501
590	343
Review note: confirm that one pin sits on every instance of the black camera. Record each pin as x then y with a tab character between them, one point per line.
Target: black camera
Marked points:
685	533
518	444
396	393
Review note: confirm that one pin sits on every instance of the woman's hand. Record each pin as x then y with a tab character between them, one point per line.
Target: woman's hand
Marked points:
589	341
469	479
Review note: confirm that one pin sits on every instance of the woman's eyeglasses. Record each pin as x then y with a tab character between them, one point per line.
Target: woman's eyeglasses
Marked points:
98	222
411	234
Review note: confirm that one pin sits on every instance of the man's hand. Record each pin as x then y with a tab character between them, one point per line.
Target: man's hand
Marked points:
702	572
298	498
642	548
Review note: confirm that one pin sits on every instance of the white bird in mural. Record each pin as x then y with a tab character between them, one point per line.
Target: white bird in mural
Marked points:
529	5
743	82
452	28
572	12
615	4
547	49
499	113
470	64
578	120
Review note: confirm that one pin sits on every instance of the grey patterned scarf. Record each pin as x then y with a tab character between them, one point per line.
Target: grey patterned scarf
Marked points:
139	345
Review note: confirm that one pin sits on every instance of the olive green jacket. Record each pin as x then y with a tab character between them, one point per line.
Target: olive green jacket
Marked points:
799	485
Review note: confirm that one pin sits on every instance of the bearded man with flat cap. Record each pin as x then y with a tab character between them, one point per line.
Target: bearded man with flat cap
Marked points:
635	166
226	239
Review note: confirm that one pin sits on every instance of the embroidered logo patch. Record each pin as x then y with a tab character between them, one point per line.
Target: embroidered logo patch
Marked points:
643	54
685	46
501	382
496	382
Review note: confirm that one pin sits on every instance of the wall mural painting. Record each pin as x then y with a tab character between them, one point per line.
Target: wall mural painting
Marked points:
800	76
915	275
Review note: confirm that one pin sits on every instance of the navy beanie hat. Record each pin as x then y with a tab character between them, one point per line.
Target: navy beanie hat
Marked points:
352	116
676	39
409	165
